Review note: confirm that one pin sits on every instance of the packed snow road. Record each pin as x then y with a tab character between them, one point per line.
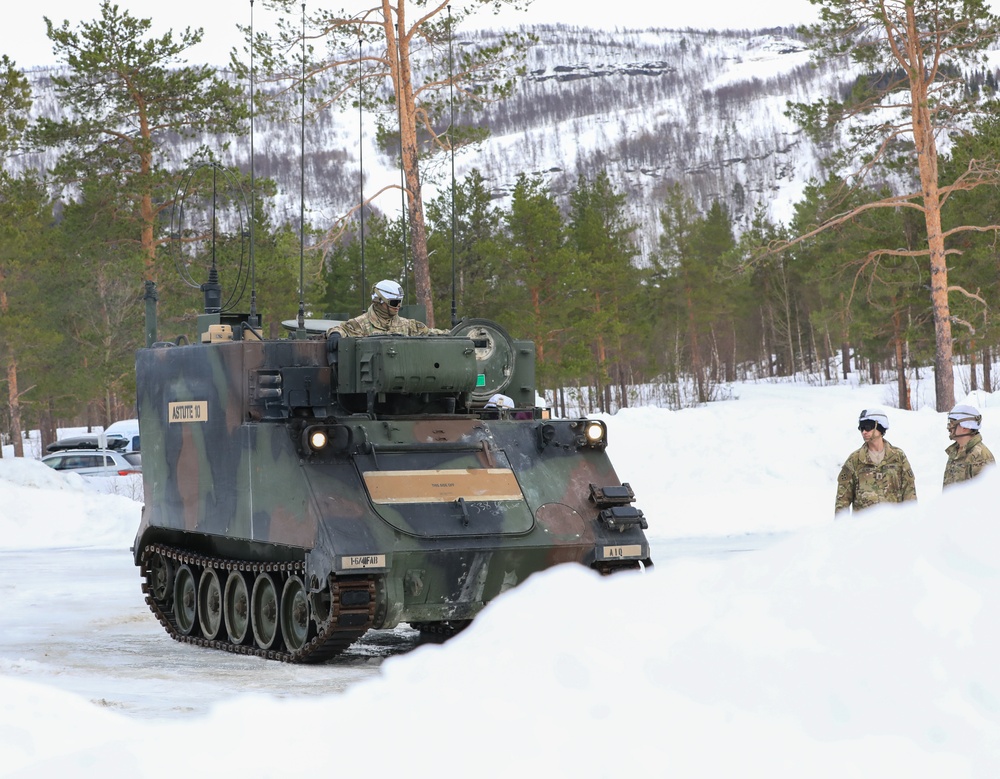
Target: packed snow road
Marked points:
77	619
81	623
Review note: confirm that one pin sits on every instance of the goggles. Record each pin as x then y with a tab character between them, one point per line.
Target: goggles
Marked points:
394	303
867	424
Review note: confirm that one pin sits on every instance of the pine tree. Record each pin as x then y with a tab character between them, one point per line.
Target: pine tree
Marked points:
15	101
602	237
21	203
410	46
124	98
542	302
688	269
912	53
28	307
482	280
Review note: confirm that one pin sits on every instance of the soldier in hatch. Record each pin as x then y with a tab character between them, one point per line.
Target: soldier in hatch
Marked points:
382	316
968	455
877	472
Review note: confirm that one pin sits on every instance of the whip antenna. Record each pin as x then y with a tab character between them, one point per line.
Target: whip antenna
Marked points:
402	181
451	143
361	173
254	319
302	185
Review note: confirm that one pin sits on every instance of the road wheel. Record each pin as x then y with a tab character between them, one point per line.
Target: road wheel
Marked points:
185	600
210	604
294	614
264	611
236	608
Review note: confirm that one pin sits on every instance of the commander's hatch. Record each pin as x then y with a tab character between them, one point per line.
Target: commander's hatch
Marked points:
311	326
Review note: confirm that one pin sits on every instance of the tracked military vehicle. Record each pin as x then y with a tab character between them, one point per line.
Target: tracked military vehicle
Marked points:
302	491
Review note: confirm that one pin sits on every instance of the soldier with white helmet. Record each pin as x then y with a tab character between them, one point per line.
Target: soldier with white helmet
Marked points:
968	455
878	472
382	316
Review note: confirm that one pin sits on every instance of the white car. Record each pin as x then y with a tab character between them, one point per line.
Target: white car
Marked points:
127	429
95	462
111	471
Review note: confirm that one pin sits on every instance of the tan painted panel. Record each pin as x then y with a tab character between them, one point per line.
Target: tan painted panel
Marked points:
188	411
622	552
353	562
442	486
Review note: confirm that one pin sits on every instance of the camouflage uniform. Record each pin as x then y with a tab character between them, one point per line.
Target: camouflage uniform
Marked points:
968	461
374	322
862	483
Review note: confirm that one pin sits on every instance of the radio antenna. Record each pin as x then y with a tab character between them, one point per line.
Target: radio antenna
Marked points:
402	180
361	173
451	144
254	319
302	186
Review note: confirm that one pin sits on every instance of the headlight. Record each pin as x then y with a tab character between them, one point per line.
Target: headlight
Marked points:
325	440
316	439
595	432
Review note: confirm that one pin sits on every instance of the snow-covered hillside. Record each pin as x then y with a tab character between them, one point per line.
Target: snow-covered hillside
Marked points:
650	107
658	107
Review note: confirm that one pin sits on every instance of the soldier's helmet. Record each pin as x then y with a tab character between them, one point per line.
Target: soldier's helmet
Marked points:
967	416
388	292
876	415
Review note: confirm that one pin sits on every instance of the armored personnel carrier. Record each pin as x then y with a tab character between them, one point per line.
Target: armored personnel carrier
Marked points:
302	491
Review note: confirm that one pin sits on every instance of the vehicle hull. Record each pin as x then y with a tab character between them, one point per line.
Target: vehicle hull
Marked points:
442	512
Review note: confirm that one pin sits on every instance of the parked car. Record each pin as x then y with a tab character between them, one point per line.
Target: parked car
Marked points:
95	462
127	429
121	437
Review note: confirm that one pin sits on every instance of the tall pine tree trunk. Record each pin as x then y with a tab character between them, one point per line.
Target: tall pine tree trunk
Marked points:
15	406
926	148
402	76
897	337
13	397
973	378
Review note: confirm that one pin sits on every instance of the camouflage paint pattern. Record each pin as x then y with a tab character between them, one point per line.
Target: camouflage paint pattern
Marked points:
862	483
967	461
372	322
448	509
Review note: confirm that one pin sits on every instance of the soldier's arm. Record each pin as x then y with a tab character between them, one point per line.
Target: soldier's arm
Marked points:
419	328
352	328
845	489
909	485
984	458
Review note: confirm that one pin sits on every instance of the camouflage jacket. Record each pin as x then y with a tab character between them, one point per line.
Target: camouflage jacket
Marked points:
968	461
862	483
371	323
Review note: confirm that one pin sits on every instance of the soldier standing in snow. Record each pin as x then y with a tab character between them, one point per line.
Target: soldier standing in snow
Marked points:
878	472
382	316
968	455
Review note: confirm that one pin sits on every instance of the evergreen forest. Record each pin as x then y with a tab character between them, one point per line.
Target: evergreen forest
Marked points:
621	312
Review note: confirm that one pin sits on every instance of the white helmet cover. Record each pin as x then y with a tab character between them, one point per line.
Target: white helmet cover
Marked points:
499	400
876	415
967	416
386	290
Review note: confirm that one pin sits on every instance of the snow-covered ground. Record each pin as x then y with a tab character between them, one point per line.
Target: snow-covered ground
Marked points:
863	648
